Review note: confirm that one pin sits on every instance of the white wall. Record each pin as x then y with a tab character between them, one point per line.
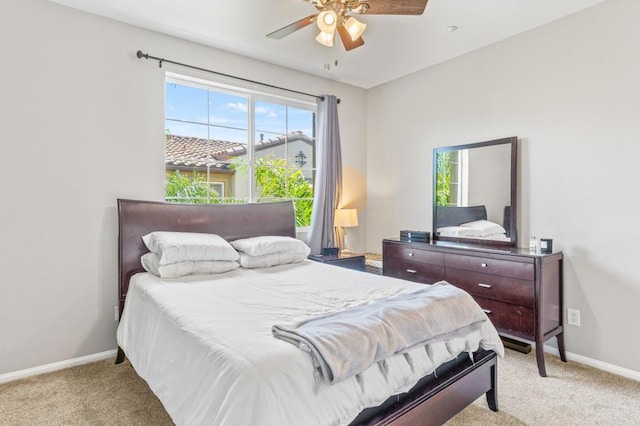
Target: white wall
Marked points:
570	91
82	125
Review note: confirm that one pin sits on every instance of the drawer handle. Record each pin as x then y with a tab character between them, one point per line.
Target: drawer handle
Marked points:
410	254
411	271
484	285
484	265
486	311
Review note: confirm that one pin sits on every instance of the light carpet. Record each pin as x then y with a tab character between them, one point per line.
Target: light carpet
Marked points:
106	394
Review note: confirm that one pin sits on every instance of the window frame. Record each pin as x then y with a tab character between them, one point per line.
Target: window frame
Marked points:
253	96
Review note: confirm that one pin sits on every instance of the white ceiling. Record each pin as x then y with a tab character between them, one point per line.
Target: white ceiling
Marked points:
394	45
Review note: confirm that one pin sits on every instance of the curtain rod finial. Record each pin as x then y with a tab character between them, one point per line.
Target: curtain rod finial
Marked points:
141	55
322	98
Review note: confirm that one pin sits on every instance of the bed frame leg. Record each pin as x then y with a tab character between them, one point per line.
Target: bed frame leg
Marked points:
120	356
492	394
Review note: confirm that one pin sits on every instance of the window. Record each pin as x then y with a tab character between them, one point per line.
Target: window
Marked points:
452	179
229	145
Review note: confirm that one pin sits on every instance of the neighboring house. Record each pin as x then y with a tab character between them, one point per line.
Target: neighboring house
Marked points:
212	159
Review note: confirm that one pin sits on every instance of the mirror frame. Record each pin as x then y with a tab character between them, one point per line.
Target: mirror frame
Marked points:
513	214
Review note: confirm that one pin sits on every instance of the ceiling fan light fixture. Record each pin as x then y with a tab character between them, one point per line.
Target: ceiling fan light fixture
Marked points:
327	20
325	38
354	27
333	16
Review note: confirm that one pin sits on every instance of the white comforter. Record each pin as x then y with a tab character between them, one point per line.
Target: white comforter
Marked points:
204	345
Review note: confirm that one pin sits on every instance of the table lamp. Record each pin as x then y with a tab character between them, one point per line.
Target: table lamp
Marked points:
344	218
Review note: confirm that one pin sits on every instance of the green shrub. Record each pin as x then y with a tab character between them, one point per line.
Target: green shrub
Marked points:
184	189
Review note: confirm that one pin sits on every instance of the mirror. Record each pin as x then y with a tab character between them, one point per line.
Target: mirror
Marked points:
474	193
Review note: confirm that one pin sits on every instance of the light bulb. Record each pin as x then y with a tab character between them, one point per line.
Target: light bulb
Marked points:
327	21
354	27
325	38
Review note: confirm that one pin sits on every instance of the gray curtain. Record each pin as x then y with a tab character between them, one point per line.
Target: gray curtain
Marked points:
328	183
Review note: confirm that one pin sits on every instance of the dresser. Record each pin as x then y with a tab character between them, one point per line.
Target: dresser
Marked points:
521	292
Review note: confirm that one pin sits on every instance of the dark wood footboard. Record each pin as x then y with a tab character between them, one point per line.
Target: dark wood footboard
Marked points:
434	400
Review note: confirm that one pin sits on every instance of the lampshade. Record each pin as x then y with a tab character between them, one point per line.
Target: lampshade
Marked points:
327	21
346	218
325	38
354	27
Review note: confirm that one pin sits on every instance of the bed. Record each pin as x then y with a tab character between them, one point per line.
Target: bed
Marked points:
183	380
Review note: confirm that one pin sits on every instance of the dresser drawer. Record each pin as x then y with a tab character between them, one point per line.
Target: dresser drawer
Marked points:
505	268
408	253
413	271
496	287
507	318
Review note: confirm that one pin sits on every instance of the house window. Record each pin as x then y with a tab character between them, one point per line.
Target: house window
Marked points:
230	145
217	189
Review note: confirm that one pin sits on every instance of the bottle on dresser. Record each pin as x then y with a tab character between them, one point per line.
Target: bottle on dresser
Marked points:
534	245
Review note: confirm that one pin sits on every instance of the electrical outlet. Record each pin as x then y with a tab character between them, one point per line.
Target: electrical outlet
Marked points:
573	317
116	313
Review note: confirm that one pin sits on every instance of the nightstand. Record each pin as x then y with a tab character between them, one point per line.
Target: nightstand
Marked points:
345	260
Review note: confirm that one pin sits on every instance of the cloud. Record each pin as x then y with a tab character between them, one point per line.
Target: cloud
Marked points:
266	111
221	120
237	106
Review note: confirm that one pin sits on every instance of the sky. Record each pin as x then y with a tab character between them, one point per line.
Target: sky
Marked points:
221	116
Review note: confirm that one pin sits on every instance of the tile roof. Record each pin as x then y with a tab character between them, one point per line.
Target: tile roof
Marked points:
196	152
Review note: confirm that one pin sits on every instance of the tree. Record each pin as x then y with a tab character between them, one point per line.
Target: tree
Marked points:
195	190
278	180
274	178
443	179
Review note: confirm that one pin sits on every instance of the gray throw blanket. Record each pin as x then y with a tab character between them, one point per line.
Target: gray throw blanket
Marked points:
346	343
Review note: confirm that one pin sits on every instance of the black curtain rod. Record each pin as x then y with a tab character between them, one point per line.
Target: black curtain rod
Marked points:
141	55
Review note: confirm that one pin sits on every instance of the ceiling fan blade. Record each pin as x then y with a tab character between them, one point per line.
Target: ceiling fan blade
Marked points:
291	28
396	7
346	39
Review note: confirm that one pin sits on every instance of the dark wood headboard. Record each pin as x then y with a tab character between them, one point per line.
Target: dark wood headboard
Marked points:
454	216
230	221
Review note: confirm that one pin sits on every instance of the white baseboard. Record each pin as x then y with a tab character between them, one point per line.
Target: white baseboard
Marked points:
610	368
16	375
21	374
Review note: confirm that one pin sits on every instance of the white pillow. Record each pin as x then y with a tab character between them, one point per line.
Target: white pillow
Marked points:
501	237
151	263
259	246
457	231
485	227
174	247
271	259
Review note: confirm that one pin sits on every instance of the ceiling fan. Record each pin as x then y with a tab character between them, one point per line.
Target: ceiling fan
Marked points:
337	15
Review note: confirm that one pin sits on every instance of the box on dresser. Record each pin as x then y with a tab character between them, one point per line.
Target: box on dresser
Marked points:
520	291
415	236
